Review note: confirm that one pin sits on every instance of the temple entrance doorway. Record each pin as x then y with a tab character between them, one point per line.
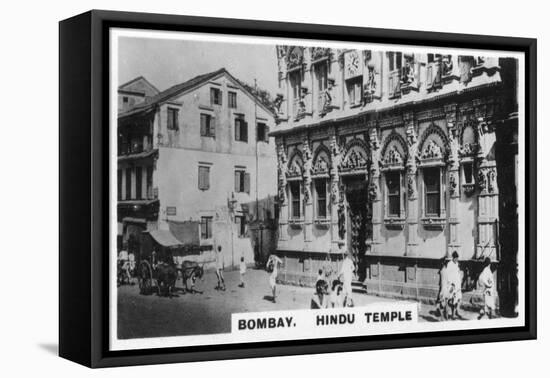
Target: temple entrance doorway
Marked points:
358	220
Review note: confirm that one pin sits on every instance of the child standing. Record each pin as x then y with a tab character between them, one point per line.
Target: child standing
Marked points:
243	271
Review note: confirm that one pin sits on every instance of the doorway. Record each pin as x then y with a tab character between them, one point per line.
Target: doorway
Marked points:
358	220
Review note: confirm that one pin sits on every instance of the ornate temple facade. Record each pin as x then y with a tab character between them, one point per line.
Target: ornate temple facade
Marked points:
392	153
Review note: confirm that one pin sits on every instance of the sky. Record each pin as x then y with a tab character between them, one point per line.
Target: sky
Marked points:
167	62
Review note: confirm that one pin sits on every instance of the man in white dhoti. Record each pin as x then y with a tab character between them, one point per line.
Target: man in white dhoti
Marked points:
454	280
272	266
487	285
346	274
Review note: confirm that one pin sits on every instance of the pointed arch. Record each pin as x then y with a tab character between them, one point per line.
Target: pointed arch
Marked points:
434	144
355	156
295	164
321	160
394	151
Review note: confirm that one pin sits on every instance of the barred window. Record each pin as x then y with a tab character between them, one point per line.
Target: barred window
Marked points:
393	184
432	184
321	198
296	201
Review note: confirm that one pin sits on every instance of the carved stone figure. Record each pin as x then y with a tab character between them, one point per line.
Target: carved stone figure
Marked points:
369	88
373	191
453	183
432	151
411	186
354	160
491	181
278	102
481	180
282	168
308	162
334	155
447	67
393	156
412	142
321	165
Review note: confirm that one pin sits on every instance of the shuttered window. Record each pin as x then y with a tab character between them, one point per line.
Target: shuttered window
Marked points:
208	125
354	90
242	181
173	119
432	185
241	129
232	99
204	177
215	96
262	132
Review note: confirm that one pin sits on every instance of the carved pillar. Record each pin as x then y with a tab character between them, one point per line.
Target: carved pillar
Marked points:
283	202
453	241
308	201
488	190
374	191
412	188
334	194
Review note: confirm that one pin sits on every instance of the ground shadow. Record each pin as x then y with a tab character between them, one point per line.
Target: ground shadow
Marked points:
432	316
268	298
52	348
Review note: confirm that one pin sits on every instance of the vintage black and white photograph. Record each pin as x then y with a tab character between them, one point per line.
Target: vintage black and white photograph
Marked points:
276	189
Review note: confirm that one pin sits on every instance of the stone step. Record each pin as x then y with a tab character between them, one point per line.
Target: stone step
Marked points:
358	287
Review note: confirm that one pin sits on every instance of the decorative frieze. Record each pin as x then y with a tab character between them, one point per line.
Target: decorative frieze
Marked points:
282	173
308	163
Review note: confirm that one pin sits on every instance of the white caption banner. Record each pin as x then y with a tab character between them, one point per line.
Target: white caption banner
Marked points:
376	318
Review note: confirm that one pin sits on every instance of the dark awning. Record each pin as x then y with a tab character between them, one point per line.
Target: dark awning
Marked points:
165	238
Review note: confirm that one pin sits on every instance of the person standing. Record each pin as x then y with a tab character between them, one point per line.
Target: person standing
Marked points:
242	270
346	272
273	265
443	296
487	284
454	280
219	269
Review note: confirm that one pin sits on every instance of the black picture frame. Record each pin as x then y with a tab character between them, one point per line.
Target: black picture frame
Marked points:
84	187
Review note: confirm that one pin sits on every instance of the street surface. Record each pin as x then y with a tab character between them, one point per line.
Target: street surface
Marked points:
210	312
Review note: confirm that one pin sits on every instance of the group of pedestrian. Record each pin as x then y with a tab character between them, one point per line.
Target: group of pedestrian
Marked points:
335	290
450	288
220	267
